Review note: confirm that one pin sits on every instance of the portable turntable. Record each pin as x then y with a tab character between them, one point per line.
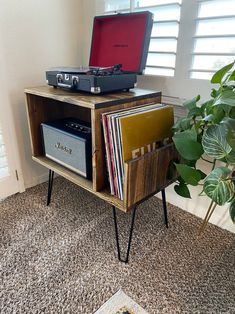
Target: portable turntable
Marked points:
118	53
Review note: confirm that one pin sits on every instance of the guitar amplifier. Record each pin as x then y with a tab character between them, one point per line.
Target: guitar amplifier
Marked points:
68	142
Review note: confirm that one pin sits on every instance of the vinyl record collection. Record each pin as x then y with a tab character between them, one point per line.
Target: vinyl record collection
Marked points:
131	133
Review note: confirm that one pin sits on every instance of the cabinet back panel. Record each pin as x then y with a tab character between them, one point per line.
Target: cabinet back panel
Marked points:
41	109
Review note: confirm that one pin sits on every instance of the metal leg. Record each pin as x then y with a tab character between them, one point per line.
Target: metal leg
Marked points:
164	207
50	185
116	232
130	235
207	217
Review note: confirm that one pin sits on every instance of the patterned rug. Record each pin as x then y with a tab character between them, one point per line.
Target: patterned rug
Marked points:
120	303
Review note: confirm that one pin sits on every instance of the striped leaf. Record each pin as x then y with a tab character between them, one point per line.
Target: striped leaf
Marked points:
229	125
230	158
214	142
218	187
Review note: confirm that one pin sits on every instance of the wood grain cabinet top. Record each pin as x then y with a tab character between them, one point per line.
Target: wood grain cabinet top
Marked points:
90	100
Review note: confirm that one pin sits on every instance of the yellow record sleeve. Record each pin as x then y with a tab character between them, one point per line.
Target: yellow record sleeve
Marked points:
141	131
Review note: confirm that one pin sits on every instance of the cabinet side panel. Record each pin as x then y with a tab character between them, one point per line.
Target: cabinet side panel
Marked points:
36	115
100	180
30	124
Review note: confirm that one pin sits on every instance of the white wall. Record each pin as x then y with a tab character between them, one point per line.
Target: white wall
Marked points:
89	9
35	35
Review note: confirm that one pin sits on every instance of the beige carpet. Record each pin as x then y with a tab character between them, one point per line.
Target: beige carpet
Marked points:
60	259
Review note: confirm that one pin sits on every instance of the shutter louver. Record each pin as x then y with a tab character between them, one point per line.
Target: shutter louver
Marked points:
214	43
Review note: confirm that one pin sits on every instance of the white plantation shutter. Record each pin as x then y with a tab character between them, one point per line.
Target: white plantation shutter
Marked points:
163	45
214	42
4	171
114	6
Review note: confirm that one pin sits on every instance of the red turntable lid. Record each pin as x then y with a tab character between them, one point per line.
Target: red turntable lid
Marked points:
121	39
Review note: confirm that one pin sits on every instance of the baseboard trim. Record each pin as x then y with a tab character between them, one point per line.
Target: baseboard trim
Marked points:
221	220
36	180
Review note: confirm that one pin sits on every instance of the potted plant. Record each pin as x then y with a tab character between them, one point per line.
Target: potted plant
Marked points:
208	133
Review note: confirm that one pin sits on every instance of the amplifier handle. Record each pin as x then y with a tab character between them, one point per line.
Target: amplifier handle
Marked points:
65	85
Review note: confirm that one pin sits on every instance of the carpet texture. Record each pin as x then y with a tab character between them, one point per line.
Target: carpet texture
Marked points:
60	258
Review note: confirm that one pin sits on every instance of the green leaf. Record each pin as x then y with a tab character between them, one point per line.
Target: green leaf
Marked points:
229	125
176	125
190	175
214	93
195	112
183	124
187	145
232	76
208	107
227	109
186	123
226	97
209	117
232	210
232	112
218	76
214	142
190	163
187	134
203	175
190	104
220	189
218	114
230	158
182	190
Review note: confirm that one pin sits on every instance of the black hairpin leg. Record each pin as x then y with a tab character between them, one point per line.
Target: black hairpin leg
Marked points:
50	185
117	236
164	207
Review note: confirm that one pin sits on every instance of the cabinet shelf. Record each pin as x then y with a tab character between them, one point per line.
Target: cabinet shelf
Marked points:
78	180
65	172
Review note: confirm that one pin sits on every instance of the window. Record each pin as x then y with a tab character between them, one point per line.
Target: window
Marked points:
163	44
214	43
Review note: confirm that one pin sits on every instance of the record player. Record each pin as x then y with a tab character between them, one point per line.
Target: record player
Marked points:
118	53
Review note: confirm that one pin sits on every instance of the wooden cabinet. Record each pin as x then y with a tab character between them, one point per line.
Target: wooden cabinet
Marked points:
144	176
